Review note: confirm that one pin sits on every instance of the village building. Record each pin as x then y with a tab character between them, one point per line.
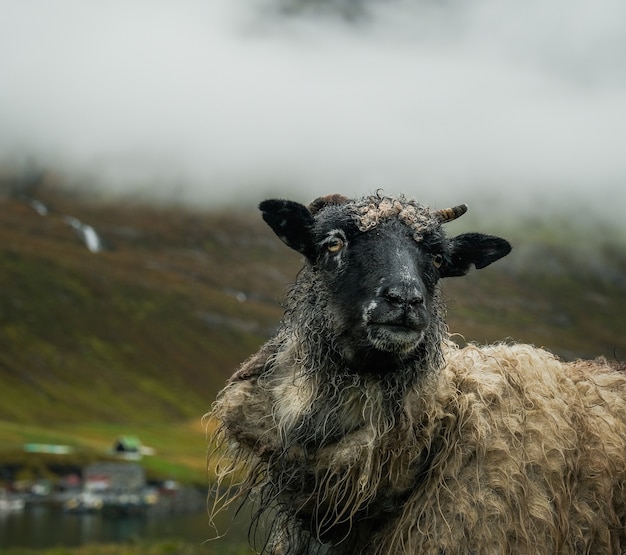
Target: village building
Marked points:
129	447
114	477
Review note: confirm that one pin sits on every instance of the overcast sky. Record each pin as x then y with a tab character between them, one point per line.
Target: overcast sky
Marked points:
446	101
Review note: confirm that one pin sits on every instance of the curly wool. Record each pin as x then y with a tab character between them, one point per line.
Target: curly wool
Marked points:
535	463
315	402
302	399
507	450
370	211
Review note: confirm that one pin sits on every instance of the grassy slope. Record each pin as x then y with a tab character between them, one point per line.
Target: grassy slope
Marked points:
146	328
138	339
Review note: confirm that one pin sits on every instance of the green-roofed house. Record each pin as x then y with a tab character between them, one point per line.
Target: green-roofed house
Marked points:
128	447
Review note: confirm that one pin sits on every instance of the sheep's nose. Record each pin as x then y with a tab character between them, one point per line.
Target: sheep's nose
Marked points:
403	295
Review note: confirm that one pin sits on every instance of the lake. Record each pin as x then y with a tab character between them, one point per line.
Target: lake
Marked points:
46	525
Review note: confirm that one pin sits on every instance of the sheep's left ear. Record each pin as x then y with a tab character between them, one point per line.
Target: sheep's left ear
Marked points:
292	222
473	248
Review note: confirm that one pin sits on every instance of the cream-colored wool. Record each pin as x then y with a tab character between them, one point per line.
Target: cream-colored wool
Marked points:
371	210
528	454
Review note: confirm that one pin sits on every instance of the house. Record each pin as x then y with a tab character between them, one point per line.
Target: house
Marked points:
114	477
129	447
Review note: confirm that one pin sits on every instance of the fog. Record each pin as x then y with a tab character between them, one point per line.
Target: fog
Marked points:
217	101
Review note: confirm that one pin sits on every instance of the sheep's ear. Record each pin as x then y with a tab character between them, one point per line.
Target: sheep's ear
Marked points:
292	222
473	248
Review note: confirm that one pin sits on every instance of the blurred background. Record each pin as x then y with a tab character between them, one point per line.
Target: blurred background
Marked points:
137	138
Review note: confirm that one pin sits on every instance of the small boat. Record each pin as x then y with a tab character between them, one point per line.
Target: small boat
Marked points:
9	503
84	502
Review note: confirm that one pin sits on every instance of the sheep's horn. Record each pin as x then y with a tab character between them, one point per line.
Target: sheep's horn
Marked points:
321	202
448	214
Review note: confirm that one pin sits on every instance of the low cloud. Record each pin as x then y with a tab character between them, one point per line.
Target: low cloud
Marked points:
222	101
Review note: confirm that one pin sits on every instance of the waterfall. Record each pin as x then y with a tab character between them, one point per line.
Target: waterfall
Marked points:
38	207
86	233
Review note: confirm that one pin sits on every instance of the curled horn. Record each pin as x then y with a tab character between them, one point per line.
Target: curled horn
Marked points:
448	214
321	202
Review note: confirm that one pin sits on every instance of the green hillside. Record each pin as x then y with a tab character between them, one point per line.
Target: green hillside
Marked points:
146	331
141	336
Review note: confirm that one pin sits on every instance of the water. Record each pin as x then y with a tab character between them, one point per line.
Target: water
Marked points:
41	526
86	233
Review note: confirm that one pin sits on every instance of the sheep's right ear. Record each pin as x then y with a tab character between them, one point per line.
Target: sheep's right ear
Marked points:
292	222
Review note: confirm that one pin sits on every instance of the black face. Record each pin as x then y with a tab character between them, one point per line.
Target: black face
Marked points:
380	282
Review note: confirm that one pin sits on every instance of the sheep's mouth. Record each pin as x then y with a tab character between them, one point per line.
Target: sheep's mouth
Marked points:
394	337
397	327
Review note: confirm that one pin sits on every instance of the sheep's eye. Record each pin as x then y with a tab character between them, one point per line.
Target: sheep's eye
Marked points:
437	260
335	245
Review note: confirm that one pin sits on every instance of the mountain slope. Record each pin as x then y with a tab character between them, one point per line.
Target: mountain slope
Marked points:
147	330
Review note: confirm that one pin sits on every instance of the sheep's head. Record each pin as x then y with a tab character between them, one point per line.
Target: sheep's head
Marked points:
379	260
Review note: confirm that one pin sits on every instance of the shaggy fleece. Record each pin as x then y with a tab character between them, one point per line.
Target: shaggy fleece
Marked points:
506	450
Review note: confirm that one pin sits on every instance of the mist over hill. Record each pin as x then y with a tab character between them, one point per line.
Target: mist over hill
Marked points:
221	102
148	328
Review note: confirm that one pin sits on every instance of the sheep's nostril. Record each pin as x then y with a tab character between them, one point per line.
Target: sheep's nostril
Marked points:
403	296
394	298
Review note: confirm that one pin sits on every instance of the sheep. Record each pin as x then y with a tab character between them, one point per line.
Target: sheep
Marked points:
360	427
